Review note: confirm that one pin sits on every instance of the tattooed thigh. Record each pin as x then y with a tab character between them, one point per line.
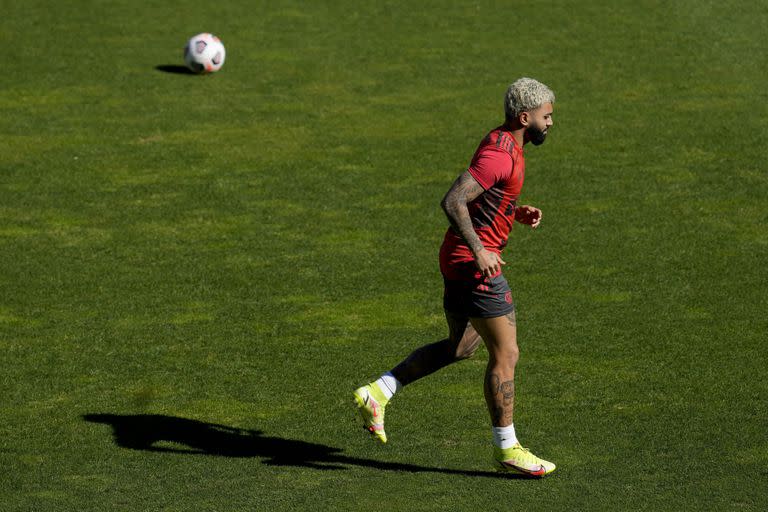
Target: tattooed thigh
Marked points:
511	318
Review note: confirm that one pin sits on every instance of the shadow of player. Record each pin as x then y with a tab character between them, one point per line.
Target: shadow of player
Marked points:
159	433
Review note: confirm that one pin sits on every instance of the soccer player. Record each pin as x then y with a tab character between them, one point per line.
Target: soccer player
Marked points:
481	206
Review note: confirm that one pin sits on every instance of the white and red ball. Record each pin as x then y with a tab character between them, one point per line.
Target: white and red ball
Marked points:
204	53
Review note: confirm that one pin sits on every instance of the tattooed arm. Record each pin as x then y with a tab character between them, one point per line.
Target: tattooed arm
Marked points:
463	191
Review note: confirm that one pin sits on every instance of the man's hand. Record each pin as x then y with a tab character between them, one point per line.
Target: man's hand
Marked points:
530	215
489	263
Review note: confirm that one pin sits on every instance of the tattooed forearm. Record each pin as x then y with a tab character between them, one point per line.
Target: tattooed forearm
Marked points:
464	190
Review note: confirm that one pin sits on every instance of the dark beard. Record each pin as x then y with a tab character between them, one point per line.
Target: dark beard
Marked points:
535	135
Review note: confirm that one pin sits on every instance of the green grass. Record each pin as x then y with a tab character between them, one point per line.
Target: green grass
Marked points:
196	271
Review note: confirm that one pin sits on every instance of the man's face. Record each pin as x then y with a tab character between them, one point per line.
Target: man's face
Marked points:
539	121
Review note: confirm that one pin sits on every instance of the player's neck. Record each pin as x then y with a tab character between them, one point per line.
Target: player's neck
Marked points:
517	130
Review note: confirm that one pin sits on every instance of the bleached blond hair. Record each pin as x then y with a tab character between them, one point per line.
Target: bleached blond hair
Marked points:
524	95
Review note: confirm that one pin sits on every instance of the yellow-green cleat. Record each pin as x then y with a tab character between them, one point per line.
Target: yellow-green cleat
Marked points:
519	460
370	404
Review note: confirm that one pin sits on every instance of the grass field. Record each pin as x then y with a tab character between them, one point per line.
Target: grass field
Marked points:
196	271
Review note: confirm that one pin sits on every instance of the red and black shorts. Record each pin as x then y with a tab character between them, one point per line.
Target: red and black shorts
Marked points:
478	297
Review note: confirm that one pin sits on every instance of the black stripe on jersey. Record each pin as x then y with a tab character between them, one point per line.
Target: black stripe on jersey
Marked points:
505	142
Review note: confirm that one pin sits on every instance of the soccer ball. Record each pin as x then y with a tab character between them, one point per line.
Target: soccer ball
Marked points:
204	53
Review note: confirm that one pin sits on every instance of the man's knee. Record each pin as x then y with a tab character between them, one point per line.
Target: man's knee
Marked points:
511	356
507	356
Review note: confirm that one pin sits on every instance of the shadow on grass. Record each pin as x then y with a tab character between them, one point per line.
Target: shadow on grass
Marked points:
172	68
158	433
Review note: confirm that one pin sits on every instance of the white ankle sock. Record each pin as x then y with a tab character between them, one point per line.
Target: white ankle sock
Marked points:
504	437
389	385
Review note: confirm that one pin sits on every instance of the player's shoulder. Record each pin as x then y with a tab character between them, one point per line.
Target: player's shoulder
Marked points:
498	139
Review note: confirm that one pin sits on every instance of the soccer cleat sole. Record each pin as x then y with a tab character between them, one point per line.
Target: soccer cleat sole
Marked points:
515	470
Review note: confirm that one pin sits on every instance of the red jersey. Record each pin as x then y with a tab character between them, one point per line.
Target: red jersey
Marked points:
499	167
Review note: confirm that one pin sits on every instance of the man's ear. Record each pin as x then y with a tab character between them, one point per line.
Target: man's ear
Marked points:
525	119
